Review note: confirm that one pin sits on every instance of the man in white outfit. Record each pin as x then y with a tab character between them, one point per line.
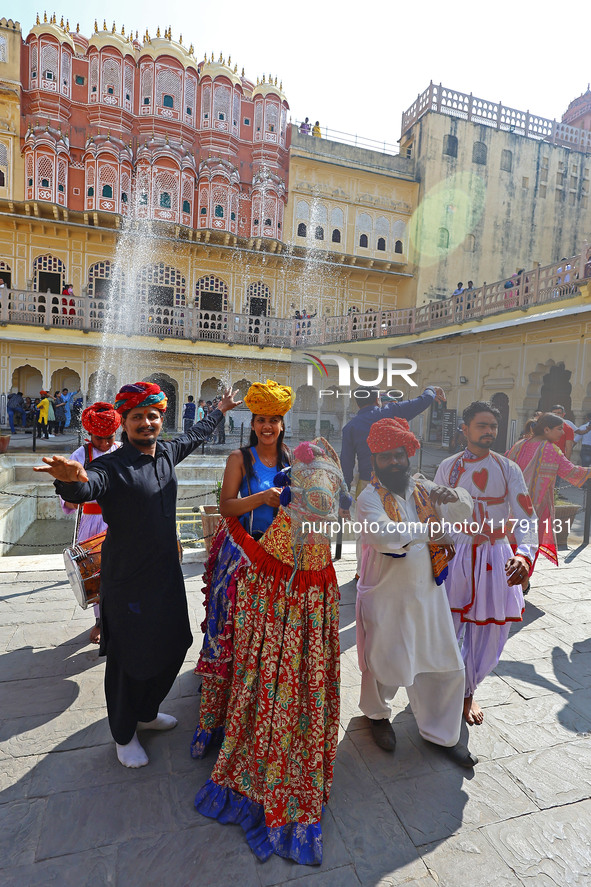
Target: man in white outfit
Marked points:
405	632
495	550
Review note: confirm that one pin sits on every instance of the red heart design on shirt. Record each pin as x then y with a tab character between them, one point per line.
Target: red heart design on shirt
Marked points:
526	503
480	478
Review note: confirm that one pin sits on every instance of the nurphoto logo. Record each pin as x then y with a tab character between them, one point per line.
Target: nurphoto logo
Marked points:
349	375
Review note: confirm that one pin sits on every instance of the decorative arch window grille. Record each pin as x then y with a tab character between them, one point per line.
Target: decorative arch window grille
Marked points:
303	211
90	179
166	191
62	173
49	60
283	122
337	217
221	103
190	92
188	190
399	247
450	145
3	49
34	64
50	264
66	72
146	83
302	230
272	117
3	165
163	284
45	173
258	299
363	241
258	117
507	160
443	242
479	152
125	190
168	83
236	112
128	87
99	276
382	244
336	235
206	105
93	75
107	180
382	232
211	294
29	167
111	77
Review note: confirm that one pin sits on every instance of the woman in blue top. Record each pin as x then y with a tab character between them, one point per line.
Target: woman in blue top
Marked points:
248	491
249	494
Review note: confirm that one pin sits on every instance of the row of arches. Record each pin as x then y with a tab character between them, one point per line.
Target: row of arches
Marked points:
336	237
479	152
158	284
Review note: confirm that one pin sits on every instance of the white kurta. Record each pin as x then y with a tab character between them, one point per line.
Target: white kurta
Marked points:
477	582
405	631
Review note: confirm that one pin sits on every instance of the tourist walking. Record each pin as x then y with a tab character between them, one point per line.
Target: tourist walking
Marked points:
145	631
485	576
16	404
189	411
405	632
541	462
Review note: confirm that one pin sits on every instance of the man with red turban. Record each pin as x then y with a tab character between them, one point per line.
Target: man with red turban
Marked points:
405	632
101	420
145	631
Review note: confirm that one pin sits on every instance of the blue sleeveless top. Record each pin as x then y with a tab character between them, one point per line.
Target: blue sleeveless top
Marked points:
262	517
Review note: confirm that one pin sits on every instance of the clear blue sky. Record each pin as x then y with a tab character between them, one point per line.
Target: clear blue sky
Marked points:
357	66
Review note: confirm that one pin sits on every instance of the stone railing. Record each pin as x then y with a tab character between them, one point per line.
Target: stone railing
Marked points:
469	107
543	285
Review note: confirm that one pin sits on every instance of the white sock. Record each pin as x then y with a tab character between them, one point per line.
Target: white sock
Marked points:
132	754
161	722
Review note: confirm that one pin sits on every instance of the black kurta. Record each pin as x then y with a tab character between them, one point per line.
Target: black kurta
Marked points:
144	616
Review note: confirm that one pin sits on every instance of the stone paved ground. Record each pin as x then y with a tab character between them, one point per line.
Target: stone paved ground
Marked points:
71	816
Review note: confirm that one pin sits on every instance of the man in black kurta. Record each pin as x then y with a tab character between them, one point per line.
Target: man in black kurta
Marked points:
144	616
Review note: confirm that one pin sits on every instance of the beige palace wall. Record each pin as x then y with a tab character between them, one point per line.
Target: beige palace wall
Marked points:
499	220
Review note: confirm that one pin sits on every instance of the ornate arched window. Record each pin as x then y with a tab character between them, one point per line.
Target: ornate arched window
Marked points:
479	152
258	299
302	230
211	294
336	236
363	240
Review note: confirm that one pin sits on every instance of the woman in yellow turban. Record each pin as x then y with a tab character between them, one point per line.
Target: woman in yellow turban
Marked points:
249	493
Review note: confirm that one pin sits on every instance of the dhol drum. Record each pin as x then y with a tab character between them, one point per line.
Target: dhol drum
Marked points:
83	569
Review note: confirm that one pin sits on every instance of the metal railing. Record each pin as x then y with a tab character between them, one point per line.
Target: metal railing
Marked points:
347	138
540	286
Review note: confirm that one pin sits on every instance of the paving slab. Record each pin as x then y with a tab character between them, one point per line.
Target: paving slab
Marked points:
70	815
548	849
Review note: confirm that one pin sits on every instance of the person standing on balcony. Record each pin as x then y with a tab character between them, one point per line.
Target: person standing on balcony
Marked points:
316	130
305	127
189	411
145	630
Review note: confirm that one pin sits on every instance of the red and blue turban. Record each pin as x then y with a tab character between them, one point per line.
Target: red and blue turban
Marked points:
141	394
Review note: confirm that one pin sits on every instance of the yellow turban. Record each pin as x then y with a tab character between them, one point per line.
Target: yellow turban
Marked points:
271	399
